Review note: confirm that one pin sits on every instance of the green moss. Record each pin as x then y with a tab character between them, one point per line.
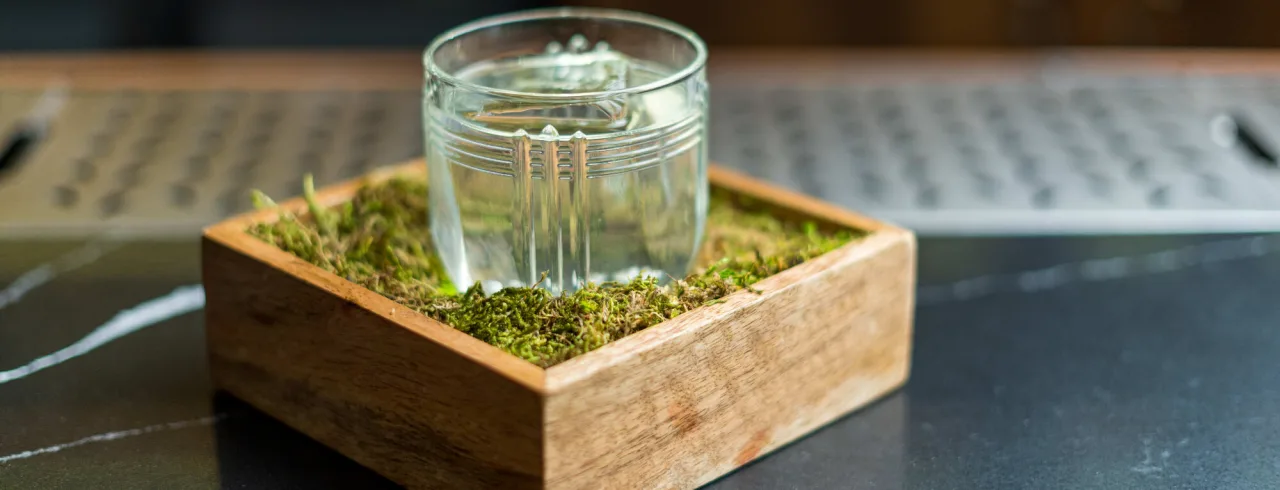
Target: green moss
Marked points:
381	241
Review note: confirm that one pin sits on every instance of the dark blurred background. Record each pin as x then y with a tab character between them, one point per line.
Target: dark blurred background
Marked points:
31	25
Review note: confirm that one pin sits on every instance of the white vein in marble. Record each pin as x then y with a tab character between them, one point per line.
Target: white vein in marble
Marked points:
182	300
43	273
111	436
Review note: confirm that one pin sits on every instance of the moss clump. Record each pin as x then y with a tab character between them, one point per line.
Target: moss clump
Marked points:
381	241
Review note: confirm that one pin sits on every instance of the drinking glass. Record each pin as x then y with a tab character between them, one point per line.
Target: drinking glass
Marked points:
566	146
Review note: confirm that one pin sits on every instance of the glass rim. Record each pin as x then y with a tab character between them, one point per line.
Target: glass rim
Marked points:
698	63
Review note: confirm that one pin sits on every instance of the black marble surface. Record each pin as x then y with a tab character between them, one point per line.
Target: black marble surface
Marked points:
1074	363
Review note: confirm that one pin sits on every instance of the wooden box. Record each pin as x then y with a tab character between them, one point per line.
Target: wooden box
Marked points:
673	406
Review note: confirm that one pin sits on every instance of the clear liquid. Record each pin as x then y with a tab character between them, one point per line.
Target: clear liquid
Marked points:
504	214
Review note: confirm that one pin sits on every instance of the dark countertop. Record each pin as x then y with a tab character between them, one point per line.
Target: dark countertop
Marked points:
1038	363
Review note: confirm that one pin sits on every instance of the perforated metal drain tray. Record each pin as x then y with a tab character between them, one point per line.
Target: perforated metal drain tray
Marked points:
168	163
1092	155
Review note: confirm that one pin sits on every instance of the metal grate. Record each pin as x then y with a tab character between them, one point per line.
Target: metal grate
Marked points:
1087	155
1081	155
171	162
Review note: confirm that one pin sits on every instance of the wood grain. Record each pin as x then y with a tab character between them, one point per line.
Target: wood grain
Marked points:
402	69
681	403
416	400
673	406
217	70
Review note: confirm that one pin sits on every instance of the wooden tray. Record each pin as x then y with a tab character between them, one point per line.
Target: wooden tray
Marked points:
673	406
